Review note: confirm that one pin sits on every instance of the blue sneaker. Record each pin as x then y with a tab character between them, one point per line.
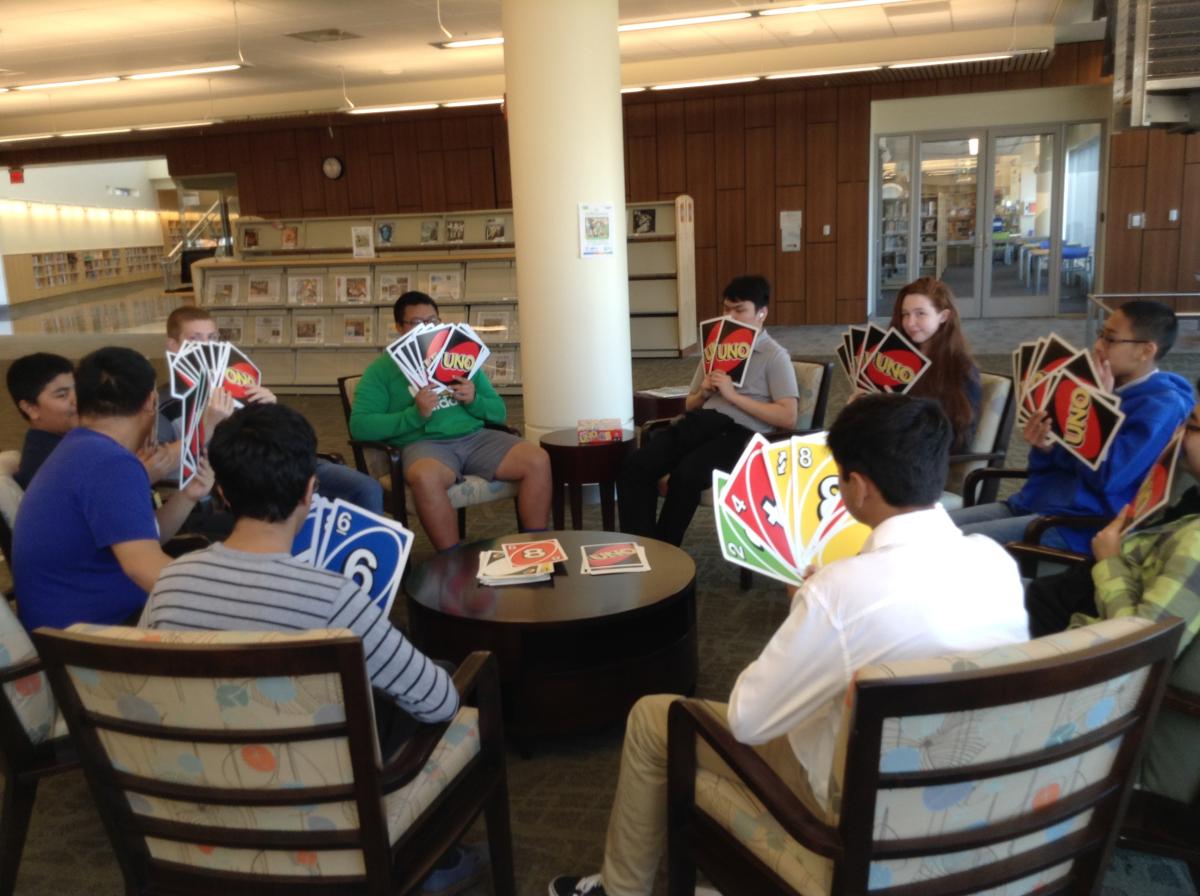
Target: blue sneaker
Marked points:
469	868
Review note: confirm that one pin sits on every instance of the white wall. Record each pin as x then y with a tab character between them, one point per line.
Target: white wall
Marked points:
88	183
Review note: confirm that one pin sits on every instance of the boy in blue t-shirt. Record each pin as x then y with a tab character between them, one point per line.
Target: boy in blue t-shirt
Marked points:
86	543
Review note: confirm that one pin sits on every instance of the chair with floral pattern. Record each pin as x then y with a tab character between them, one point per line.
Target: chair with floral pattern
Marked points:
1001	771
989	445
382	461
33	739
247	762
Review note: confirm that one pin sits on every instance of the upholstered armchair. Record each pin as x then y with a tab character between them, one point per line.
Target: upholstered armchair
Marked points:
1009	767
988	448
247	762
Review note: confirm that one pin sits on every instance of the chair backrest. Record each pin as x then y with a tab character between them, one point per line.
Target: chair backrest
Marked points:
10	499
813	379
997	411
969	771
226	761
28	713
373	461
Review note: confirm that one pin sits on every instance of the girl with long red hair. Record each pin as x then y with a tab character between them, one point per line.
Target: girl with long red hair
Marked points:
925	313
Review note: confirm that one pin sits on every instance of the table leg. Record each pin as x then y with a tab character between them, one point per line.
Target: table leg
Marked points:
576	490
607	506
557	499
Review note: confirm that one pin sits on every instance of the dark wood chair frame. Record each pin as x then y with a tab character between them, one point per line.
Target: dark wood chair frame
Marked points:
24	764
390	869
696	840
745	576
395	460
1154	823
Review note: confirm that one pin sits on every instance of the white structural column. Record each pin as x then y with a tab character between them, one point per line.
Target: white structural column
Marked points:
563	93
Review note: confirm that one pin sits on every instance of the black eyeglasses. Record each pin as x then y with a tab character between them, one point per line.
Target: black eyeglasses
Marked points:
432	319
1108	339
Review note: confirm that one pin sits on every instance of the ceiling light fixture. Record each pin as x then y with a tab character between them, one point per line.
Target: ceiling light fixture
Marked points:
182	72
717	83
466	44
54	85
633	89
95	133
3	90
824	7
178	124
955	60
25	137
692	20
375	110
816	73
463	104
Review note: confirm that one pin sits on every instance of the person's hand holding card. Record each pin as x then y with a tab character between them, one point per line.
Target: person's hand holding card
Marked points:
1107	380
426	400
463	390
202	482
722	383
1107	542
220	406
1037	431
260	395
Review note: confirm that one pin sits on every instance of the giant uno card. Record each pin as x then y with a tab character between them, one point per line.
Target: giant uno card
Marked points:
1155	490
738	548
731	352
896	364
1080	419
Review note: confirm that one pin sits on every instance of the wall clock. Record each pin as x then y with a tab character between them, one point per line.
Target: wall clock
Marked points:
333	167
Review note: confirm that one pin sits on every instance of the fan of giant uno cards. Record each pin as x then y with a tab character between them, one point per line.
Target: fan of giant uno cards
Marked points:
878	360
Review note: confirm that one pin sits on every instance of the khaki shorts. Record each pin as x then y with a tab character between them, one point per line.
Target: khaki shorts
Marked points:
477	454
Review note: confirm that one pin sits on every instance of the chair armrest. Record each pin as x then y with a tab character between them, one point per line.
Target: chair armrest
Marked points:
658	423
332	456
975	477
1182	701
688	718
977	455
1036	529
477	677
1021	550
20	670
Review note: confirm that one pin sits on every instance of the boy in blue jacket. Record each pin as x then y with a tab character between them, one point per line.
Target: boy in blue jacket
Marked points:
1134	339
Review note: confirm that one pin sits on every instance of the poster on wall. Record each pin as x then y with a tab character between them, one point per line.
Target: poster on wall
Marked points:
596	229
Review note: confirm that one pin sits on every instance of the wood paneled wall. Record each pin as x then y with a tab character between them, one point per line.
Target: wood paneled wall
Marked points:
744	153
1153	172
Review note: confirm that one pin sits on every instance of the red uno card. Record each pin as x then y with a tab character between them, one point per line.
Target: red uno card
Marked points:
751	498
731	352
528	553
619	555
896	365
1081	420
240	374
1155	491
1055	352
710	332
871	339
461	357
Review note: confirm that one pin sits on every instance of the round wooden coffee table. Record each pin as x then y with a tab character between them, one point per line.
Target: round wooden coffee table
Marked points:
576	652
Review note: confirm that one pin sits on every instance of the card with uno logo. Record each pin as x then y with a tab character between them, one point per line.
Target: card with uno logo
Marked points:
612	557
240	374
896	364
462	356
1081	419
1155	491
528	553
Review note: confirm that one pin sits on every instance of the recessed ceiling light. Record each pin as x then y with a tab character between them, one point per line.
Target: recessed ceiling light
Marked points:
25	137
181	72
373	110
95	133
824	6
633	89
324	35
56	84
463	104
716	83
475	42
692	20
955	60
824	71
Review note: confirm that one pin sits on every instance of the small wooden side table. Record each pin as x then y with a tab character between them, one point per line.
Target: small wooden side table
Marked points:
572	464
648	406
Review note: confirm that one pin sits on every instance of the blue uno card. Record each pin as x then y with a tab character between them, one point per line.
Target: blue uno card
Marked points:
308	539
367	548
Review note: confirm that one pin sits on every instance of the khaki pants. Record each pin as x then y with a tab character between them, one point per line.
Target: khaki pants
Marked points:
637	828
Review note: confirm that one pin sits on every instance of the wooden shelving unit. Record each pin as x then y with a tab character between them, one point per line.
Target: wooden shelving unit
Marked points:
43	275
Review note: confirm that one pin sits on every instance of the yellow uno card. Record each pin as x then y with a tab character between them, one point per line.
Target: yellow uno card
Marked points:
822	527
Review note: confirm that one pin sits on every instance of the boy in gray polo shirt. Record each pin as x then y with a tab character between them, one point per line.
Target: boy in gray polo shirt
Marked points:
719	421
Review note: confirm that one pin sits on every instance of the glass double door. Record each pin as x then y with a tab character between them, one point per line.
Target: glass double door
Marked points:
1004	217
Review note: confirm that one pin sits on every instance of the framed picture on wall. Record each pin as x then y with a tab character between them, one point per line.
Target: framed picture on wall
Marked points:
223	290
645	221
250	238
306	289
429	230
455	230
357	328
289	237
385	232
230	328
493	230
393	286
308	329
262	289
354	289
268	329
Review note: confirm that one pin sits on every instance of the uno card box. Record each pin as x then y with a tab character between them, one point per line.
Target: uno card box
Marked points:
605	430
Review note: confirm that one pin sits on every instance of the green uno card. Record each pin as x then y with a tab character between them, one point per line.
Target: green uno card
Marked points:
736	545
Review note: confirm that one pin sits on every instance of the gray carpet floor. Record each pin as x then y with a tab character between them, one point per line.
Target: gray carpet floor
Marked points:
560	797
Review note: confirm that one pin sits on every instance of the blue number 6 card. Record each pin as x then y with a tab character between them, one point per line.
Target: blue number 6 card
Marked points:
365	547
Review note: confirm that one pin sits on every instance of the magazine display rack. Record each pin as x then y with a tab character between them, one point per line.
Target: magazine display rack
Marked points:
311	299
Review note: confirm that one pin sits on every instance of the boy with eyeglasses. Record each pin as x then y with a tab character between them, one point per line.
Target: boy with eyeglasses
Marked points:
1134	339
444	436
